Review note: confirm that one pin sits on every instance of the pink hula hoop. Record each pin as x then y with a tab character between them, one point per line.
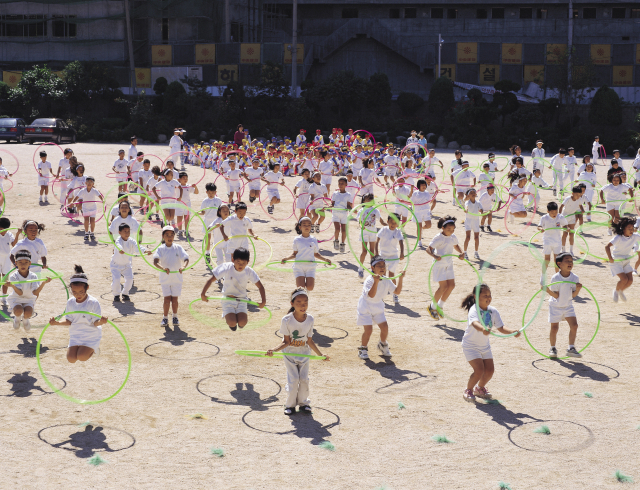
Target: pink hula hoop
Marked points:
15	158
533	213
204	170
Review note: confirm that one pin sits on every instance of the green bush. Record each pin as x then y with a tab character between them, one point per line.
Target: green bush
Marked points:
441	97
605	108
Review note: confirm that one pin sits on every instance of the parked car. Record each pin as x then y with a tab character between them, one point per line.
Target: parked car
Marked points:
12	128
49	129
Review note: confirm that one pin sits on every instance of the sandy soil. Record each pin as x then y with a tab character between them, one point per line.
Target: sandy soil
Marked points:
150	439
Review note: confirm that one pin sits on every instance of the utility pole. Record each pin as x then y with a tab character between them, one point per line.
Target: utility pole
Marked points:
440	41
294	51
227	22
132	66
569	43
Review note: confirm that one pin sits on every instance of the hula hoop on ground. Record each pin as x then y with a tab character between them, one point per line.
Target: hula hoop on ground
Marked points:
440	310
206	320
326	267
60	392
279	354
594	333
255	255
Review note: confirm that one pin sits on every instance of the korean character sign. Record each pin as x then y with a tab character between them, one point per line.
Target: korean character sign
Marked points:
205	54
143	77
534	73
489	74
161	55
556	53
448	71
227	73
467	52
11	78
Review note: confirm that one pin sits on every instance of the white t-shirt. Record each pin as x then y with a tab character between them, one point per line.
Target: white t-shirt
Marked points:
588	178
210	205
235	226
463	178
517	191
325	167
341	201
167	189
484	180
135	165
443	245
27	287
128	247
421	198
317	190
132	153
78	319
274	180
44	167
217	234
89	198
565	290
389	240
36	247
352	188
623	247
121	167
63	165
385	286
368	219
253	173
233	176
473	207
171	258
614	193
187	190
306	248
487	201
298	332
144	176
570	206
235	282
5	245
391	161
114	227
490	319
552	236
367	175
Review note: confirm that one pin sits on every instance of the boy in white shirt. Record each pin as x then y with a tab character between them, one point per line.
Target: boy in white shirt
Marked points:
595	150
171	259
341	202
558	164
388	239
121	264
570	206
44	170
550	225
209	208
7	242
121	168
233	176
538	157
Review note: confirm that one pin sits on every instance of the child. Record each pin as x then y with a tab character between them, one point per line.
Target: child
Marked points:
368	231
168	189
571	163
233	177
170	257
474	209
305	251
558	164
571	206
538	157
516	193
341	203
89	196
23	294
125	216
387	241
325	167
390	166
561	303
487	200
423	203
220	246
636	166
622	248
235	228
550	225
253	175
4	174
296	330
353	187
135	164
44	170
318	191
302	200
209	209
481	319
273	178
33	244
181	213
485	178
461	180
121	264
403	194
236	275
367	175
85	331
537	182
370	307
595	149
443	244
63	166
143	177
613	194
586	160
122	170
156	176
77	184
7	242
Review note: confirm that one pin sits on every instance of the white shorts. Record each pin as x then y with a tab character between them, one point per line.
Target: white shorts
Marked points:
366	189
423	214
443	270
43	181
623	267
302	202
233	187
325	179
472	224
558	314
392	264
370	313
89	213
472	352
271	193
402	211
121	178
368	237
390	171
339	217
516	206
588	194
254	185
304	270
13	302
551	248
235	307
571	219
613	205
171	290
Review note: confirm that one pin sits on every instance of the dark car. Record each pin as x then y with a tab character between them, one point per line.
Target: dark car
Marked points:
49	129
12	128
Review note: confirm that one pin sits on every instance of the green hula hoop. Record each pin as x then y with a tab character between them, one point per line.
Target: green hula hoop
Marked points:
112	240
321	211
531	246
400	226
60	392
255	255
621	207
604	259
326	267
206	319
280	354
440	310
40	278
594	333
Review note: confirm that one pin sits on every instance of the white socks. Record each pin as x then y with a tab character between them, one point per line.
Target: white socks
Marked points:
441	304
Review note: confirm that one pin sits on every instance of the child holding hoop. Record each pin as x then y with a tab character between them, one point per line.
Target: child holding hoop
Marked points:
325	167
443	244
7	242
273	179
481	319
305	251
571	207
296	330
85	331
172	260
613	194
168	190
23	295
367	219
550	225
620	250
253	175
182	215
487	201
341	203
388	239
421	208
367	175
234	227
302	200
220	246
121	264
403	193
473	208
233	176
33	244
89	196
44	169
318	191
516	193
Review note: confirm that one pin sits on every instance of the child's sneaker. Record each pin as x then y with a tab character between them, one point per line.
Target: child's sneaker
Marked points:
476	255
383	347
207	260
164	322
125	297
573	352
342	247
555	193
363	352
489	229
16	322
336	245
615	295
26	324
360	273
466	257
482	228
86	237
469	396
481	392
553	352
622	297
176	322
179	233
396	300
420	243
270	210
92	236
433	313
116	299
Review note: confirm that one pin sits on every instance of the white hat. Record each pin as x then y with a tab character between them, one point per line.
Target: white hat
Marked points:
168	228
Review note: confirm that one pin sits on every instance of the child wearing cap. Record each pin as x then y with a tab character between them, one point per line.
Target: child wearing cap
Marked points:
301	138
44	169
538	157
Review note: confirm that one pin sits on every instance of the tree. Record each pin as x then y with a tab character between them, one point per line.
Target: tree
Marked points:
605	108
160	87
441	98
409	103
174	103
37	88
343	93
378	93
505	102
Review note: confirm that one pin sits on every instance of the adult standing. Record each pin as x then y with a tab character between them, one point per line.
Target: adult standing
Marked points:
239	136
175	143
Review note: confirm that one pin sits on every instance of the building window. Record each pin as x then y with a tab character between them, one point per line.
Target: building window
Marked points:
589	13
349	13
15	26
437	13
165	29
541	13
452	13
526	13
481	13
618	13
410	13
62	27
635	13
394	13
576	13
497	13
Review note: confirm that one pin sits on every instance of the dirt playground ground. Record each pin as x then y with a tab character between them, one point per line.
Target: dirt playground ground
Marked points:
188	392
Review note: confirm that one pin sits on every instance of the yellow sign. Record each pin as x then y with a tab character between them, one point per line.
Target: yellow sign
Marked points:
512	54
161	55
534	73
638	54
555	52
143	77
250	53
622	76
489	74
227	73
205	54
467	53
11	78
299	54
448	71
601	54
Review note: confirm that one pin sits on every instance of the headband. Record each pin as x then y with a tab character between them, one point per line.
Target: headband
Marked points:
79	279
374	262
448	221
30	222
299	292
23	254
304	218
